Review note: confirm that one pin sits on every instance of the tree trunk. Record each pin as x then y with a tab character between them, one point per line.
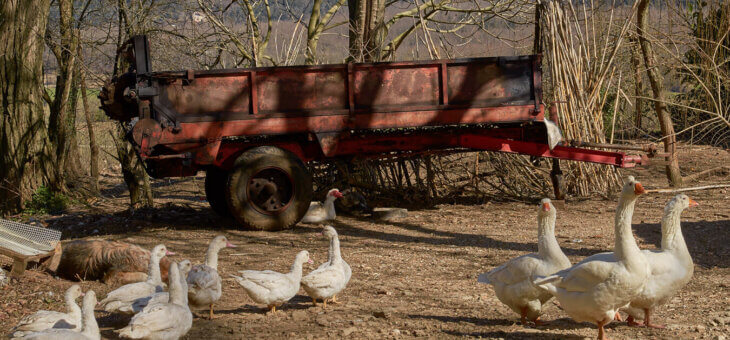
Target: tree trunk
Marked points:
58	123
23	155
140	192
366	29
93	147
655	79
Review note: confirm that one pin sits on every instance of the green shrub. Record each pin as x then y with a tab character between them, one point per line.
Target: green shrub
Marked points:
45	201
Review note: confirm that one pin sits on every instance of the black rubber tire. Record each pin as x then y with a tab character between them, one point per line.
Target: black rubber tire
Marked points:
255	161
216	182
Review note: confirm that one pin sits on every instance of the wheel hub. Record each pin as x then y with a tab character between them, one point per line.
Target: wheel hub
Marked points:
270	190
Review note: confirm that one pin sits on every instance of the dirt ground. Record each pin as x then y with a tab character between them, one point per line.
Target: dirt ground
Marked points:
416	277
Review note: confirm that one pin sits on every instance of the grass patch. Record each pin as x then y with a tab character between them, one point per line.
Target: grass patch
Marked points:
44	201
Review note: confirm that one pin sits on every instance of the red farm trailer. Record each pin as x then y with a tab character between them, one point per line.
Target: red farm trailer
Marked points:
252	130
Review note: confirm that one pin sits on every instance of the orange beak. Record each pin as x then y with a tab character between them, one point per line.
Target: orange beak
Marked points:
546	206
639	189
693	203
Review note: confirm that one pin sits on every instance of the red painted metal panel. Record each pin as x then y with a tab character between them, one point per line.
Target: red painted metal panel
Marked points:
396	86
208	95
287	91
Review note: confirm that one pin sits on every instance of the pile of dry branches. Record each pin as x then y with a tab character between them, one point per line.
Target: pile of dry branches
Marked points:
581	49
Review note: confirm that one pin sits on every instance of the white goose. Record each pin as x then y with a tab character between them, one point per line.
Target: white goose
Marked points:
594	289
163	321
320	212
273	288
332	276
45	319
89	331
127	294
160	297
204	283
671	266
512	281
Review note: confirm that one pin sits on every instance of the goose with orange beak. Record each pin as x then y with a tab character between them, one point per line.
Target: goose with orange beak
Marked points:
512	281
671	266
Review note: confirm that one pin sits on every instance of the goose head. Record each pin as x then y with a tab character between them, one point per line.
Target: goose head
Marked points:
302	257
184	266
681	202
632	188
329	232
220	242
160	251
74	292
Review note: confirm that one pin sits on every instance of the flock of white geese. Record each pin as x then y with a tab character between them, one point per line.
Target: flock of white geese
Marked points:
594	290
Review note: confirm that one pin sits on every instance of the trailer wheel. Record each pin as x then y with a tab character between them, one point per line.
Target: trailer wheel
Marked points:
268	189
216	180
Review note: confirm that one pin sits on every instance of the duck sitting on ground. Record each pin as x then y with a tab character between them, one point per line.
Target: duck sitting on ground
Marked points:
159	297
594	289
44	319
89	330
127	294
671	266
168	320
321	212
332	276
204	283
273	288
512	281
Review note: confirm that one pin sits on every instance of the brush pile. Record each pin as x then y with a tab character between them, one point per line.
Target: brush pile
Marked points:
581	46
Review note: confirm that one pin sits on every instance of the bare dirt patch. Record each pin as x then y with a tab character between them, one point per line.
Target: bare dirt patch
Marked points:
415	277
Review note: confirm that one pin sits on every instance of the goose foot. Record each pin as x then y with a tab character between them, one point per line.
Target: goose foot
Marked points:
617	317
647	320
334	299
210	314
632	323
539	322
314	302
272	310
324	303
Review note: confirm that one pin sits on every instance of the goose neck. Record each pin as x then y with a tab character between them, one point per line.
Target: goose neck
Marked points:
153	271
91	328
71	305
296	270
211	256
334	251
625	247
177	293
672	238
547	245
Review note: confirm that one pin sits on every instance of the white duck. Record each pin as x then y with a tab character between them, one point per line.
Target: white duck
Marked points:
332	276
89	331
163	321
160	297
44	319
127	294
594	289
512	281
320	212
273	288
671	266
204	283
